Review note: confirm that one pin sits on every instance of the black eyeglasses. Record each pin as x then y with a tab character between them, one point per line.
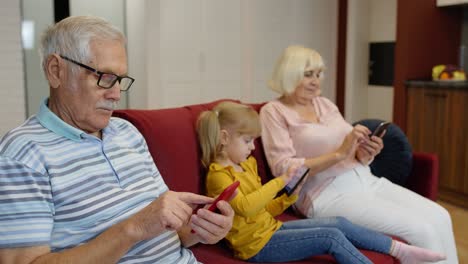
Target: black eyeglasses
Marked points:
106	80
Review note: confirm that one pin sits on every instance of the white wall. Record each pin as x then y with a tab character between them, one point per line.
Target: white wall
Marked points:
137	49
41	14
12	94
383	17
368	21
357	57
197	51
382	24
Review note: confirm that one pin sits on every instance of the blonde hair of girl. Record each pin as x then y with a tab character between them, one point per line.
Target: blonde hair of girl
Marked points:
235	117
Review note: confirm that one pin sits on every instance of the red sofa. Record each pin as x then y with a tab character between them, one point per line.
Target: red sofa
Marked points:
172	141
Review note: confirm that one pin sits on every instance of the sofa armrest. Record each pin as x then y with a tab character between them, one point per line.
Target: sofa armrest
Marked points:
424	177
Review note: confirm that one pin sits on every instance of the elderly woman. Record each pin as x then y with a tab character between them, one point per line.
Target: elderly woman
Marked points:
303	128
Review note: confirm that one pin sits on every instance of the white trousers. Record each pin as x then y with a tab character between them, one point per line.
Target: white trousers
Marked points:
377	203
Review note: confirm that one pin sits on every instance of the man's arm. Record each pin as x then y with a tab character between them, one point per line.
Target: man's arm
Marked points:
108	247
170	211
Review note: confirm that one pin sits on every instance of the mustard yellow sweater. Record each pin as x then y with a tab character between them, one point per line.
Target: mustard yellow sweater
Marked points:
255	206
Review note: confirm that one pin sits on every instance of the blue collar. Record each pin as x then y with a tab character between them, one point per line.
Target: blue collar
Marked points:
52	122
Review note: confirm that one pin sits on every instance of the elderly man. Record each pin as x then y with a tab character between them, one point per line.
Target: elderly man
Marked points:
77	186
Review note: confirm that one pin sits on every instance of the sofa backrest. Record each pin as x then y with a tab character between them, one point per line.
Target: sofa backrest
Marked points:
173	144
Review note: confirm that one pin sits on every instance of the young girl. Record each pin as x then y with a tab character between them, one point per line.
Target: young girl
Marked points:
226	137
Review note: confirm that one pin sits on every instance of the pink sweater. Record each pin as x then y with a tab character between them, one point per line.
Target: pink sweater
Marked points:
288	140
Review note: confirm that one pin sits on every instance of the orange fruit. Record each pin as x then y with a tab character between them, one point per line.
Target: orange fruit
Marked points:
444	76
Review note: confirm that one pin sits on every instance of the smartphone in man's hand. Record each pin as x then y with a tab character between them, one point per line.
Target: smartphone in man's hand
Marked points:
226	195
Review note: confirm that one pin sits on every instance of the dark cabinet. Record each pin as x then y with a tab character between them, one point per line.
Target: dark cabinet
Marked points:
437	121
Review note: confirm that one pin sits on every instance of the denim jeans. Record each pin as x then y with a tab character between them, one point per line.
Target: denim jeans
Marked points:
300	239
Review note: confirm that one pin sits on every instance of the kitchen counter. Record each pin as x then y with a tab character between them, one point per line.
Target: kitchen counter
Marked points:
436	84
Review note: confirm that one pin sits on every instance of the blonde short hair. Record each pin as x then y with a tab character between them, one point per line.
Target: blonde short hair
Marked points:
289	70
239	118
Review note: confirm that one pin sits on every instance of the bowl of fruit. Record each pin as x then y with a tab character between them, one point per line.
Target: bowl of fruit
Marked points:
448	73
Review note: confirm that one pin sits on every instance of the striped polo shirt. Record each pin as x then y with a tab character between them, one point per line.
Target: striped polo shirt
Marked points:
61	187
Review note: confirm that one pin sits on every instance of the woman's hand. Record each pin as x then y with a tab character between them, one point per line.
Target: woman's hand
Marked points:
368	149
358	135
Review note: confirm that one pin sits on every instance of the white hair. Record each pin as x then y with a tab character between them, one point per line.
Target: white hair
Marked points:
71	37
289	70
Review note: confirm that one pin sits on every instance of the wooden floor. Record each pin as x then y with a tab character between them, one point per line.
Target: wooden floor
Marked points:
460	228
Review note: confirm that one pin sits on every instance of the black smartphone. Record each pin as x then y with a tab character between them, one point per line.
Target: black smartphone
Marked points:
381	129
290	190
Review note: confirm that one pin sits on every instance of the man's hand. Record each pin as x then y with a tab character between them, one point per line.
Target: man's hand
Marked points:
210	227
170	211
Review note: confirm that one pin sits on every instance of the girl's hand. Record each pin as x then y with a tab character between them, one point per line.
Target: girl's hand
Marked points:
290	174
358	135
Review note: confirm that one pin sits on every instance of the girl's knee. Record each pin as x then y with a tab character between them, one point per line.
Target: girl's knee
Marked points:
343	222
334	233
